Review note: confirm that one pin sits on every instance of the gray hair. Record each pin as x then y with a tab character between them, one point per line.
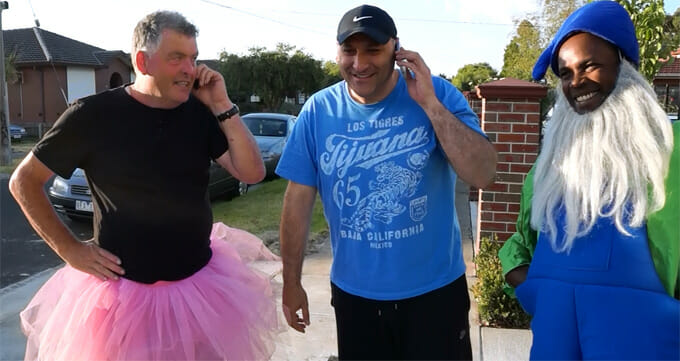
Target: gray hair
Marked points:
147	34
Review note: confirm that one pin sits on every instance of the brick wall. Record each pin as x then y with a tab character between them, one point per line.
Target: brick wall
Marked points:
510	114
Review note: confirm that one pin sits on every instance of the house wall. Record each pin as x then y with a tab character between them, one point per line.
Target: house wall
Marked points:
80	82
103	75
29	105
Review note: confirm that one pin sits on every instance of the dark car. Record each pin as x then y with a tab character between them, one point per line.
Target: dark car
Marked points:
271	131
72	196
16	132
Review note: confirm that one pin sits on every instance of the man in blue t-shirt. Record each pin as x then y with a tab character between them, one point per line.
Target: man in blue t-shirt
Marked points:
383	148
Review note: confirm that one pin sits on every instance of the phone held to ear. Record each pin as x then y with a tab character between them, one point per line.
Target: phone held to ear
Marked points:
403	69
196	86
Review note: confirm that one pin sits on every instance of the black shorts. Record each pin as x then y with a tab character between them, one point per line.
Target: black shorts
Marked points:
432	326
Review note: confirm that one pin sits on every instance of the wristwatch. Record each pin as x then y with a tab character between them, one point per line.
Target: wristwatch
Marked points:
228	114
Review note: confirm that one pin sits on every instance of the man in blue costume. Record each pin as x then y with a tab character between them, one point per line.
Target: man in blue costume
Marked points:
595	256
384	149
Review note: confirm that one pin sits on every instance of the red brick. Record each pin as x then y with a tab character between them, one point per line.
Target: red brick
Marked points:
497	207
533	118
509	178
511	117
498	107
532	138
530	158
525	128
502	148
515	188
502	167
487	216
511	138
488	196
497	127
511	157
497	187
493	226
520	168
526	107
524	148
503	236
505	217
489	117
513	207
512	227
507	197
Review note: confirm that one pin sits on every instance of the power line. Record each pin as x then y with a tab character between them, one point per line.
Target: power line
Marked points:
264	17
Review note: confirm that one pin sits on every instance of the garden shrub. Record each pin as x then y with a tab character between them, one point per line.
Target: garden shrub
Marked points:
496	308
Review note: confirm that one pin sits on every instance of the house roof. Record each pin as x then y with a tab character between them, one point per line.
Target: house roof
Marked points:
34	46
670	68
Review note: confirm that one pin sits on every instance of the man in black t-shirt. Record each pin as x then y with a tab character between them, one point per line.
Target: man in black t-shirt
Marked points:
150	284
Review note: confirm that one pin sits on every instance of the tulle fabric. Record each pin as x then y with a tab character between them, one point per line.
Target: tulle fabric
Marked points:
226	311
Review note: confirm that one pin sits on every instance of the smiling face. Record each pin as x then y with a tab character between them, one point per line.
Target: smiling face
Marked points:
367	67
173	68
588	67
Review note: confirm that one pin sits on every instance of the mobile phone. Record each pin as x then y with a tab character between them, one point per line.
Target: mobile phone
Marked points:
403	69
196	86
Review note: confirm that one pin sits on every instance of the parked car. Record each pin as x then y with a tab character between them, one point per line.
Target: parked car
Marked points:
16	132
271	131
73	198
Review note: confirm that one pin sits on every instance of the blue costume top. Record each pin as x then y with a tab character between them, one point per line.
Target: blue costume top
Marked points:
387	188
601	300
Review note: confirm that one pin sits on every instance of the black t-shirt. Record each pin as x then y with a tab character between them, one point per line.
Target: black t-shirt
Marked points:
148	172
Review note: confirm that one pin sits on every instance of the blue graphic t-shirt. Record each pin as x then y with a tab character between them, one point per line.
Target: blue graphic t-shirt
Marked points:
386	186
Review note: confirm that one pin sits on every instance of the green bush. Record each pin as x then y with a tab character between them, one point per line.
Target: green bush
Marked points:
496	308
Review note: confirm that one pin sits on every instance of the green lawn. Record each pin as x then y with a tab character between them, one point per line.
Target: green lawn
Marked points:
259	212
23	147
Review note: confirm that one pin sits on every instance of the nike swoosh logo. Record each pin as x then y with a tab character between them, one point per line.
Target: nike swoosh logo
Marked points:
361	18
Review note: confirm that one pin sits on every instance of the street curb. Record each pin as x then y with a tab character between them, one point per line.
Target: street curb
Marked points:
13	298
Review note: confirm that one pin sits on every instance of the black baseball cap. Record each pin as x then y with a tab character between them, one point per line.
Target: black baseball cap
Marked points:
369	20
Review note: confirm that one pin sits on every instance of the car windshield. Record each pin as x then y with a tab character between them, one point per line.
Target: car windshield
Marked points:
266	127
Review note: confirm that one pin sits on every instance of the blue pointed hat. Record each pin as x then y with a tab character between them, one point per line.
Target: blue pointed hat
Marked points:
606	19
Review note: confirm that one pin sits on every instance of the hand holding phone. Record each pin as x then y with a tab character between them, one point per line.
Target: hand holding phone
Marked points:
404	70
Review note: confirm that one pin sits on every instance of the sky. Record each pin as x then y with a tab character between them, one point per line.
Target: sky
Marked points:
447	33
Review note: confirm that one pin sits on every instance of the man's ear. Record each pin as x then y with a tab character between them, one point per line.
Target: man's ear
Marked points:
141	62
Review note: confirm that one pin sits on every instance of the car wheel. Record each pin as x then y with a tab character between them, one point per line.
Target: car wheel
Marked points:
242	188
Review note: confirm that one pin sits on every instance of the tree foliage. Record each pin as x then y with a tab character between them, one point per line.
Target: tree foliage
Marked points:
656	32
471	75
11	73
649	19
272	75
522	52
552	15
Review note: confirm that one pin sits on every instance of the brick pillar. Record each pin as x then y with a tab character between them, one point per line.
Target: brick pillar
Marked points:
511	118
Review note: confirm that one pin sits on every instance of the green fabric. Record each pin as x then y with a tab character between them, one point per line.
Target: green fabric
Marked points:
663	230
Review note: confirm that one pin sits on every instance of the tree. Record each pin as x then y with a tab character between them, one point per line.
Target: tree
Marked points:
271	75
471	75
552	15
331	72
522	52
649	18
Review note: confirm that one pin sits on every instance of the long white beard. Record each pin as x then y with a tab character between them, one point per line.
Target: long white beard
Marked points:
610	162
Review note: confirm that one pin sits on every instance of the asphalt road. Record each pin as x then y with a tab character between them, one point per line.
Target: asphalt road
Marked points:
22	252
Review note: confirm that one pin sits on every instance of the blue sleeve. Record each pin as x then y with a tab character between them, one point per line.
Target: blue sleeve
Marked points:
456	103
298	160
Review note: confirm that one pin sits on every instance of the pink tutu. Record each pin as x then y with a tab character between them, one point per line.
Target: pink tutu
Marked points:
225	311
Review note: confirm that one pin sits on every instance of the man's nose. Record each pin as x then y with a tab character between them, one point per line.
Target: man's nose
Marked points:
577	79
189	66
360	61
